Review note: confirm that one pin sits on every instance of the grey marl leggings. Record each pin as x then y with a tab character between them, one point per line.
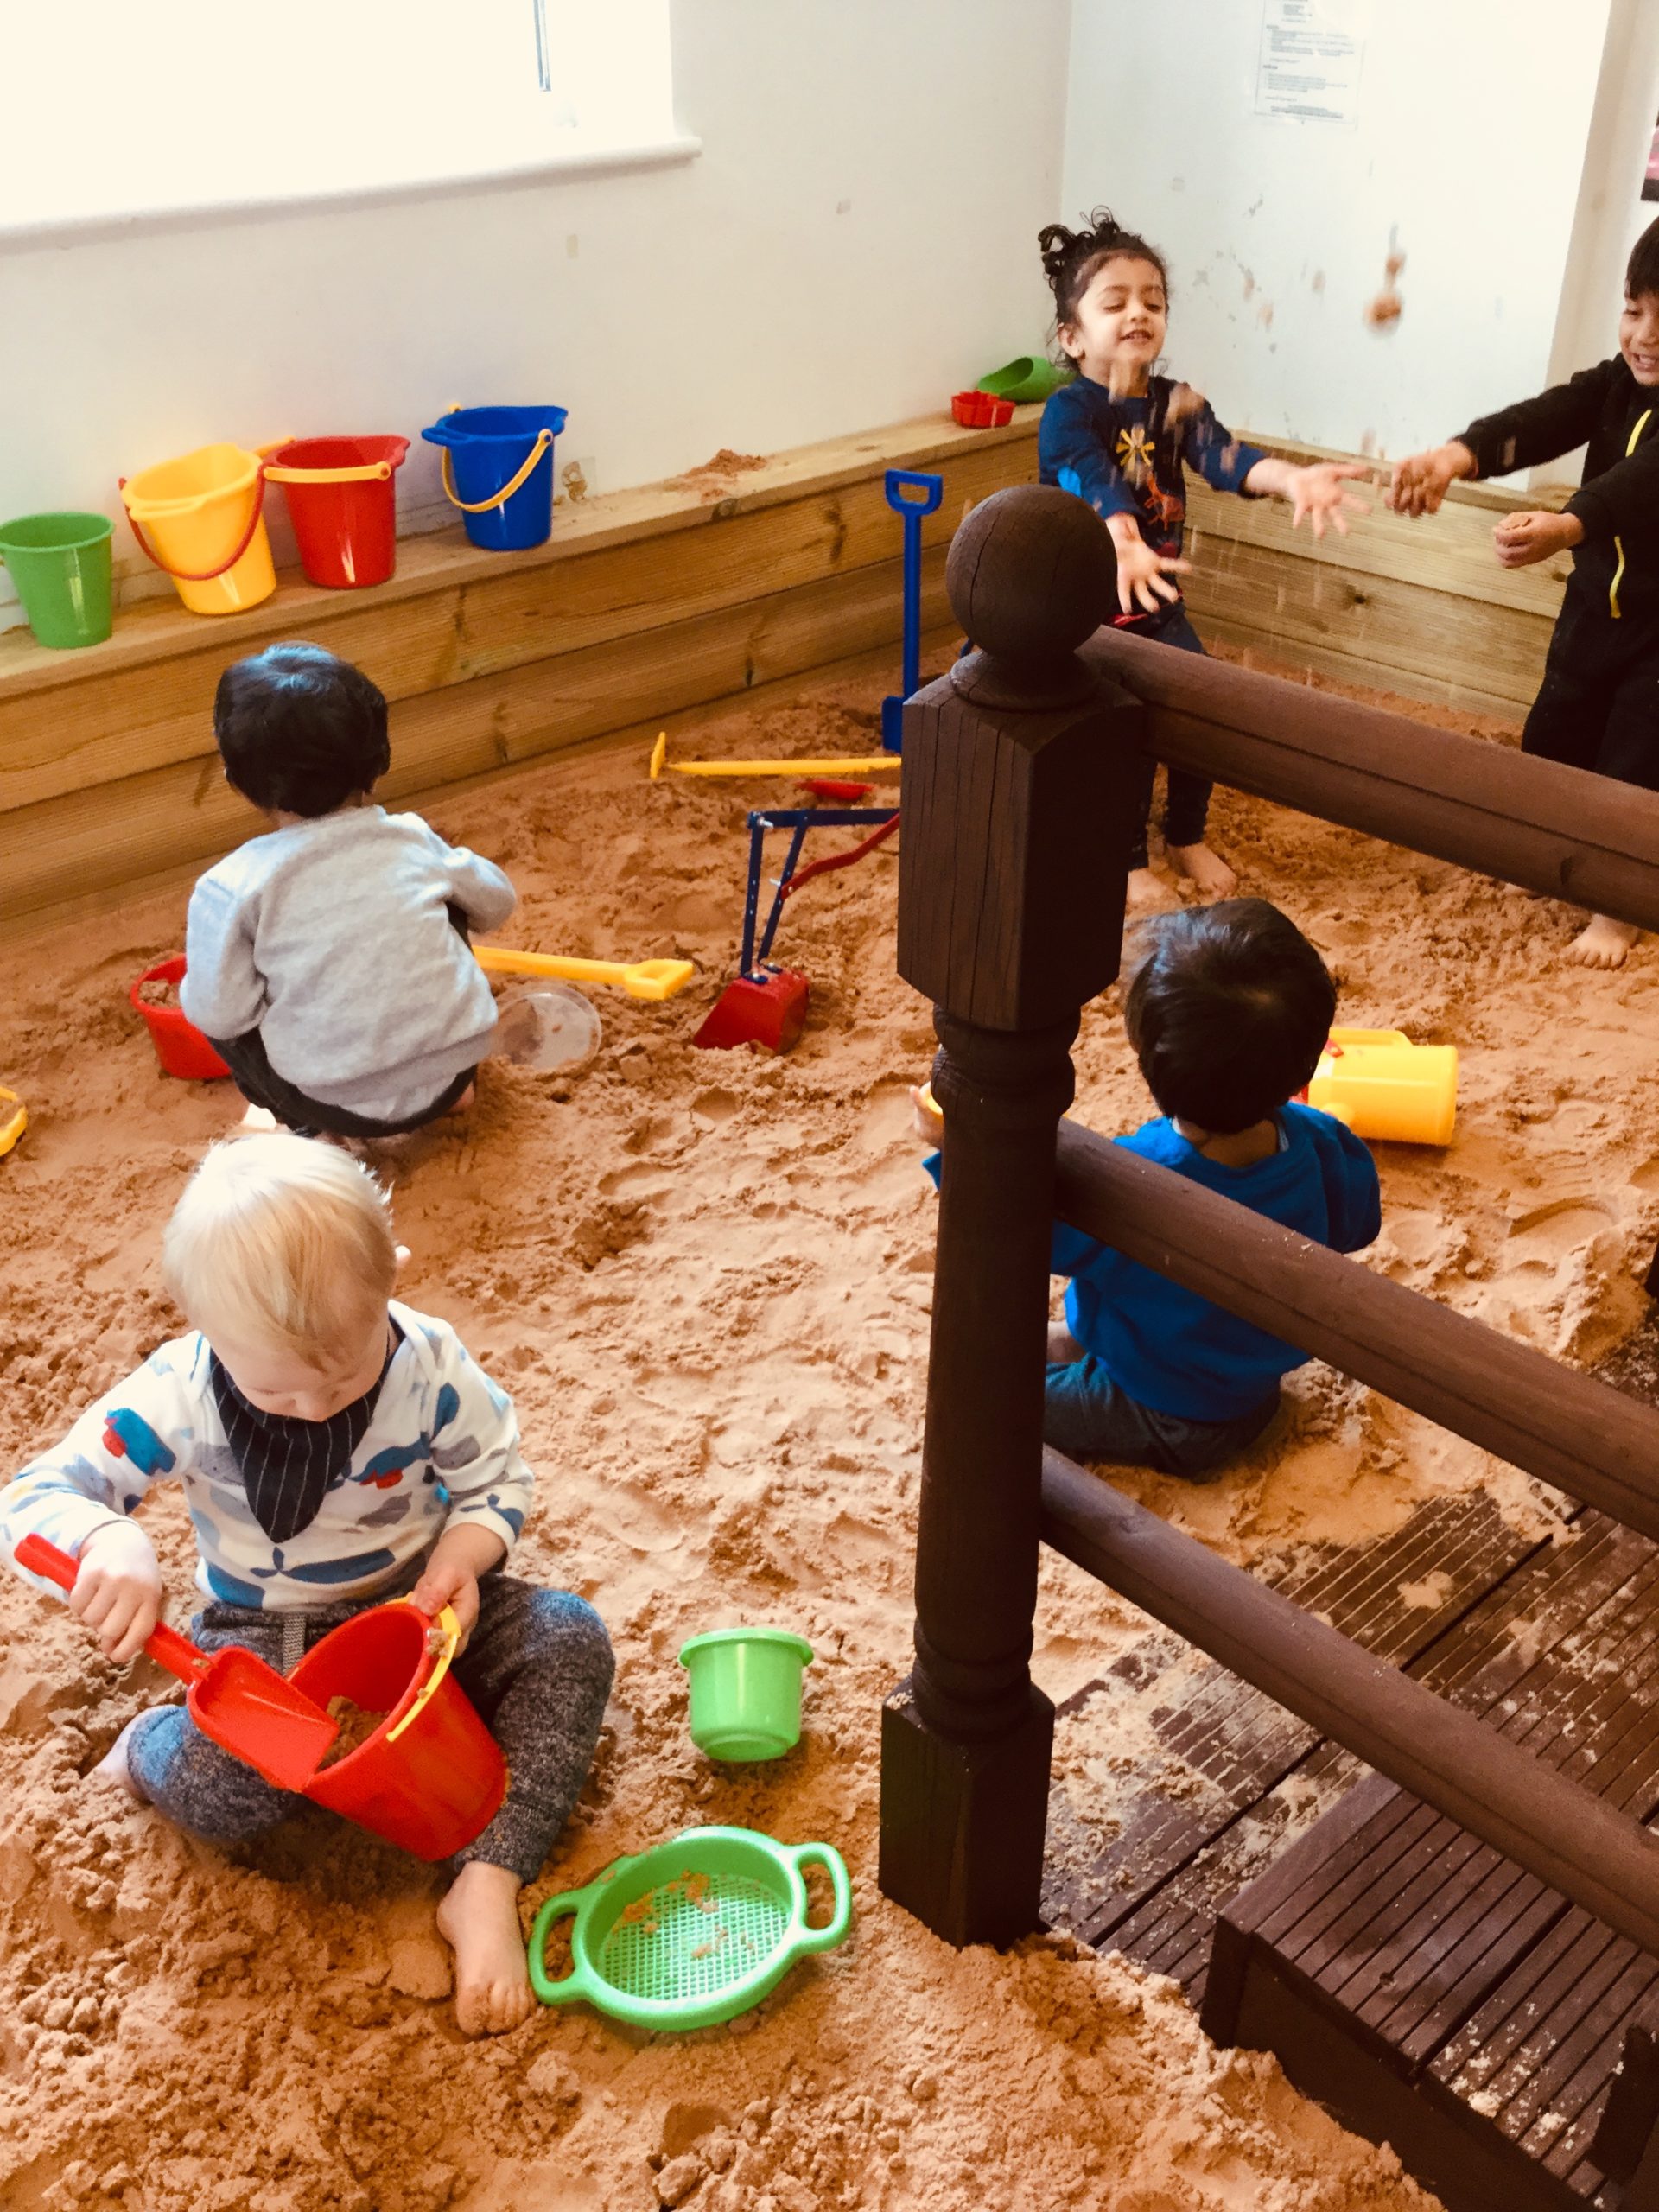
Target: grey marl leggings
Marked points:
538	1668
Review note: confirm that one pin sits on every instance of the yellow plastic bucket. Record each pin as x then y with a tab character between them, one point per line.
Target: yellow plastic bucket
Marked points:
1385	1088
201	520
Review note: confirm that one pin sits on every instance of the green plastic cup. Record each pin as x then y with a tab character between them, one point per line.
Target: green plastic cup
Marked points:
746	1691
60	565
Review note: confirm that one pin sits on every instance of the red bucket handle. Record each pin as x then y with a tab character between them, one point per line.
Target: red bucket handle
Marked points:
200	576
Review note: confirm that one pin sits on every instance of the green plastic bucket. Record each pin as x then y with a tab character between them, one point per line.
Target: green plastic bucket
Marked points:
60	565
746	1691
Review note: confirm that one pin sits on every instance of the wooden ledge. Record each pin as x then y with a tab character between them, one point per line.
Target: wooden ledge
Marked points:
443	560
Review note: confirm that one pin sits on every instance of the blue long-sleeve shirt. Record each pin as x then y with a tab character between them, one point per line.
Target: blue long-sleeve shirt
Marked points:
1126	457
1166	1346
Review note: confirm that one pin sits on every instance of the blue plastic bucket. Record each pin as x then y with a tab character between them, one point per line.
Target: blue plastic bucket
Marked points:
498	469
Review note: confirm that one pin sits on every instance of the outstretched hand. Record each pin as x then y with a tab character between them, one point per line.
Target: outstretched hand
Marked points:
1318	494
1143	575
1422	480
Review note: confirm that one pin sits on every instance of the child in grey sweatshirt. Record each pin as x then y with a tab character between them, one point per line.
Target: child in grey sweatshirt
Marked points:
329	960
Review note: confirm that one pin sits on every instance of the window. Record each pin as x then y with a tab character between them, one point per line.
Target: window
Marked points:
122	109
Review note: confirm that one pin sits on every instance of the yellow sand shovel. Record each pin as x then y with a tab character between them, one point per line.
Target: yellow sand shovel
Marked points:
860	763
640	979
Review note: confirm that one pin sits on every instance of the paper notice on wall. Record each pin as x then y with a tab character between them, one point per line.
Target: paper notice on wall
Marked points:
1312	51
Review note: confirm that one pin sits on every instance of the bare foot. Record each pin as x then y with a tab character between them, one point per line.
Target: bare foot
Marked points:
257	1119
1602	943
113	1765
1147	892
1214	878
478	1920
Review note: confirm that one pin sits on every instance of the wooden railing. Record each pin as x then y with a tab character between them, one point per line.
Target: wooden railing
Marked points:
1020	768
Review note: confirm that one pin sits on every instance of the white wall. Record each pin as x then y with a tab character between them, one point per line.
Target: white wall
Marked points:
1612	214
857	242
1473	119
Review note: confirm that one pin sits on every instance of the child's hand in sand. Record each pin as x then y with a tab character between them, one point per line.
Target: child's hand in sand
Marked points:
930	1123
117	1592
1422	480
1521	539
1318	495
1143	585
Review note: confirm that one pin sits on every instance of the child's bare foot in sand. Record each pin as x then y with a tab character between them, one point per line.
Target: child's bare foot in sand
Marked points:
1602	943
478	1920
1214	878
113	1765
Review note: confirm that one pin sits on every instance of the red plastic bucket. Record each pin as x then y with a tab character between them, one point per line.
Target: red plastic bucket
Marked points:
342	504
179	1046
443	1778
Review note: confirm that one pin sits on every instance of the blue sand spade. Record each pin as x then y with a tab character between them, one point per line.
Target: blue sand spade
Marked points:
910	511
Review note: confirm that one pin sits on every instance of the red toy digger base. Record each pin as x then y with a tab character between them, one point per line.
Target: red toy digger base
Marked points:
767	1007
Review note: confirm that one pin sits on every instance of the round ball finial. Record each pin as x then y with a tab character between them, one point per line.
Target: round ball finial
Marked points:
1032	574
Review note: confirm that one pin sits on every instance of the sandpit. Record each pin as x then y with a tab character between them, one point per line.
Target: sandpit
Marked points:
706	1278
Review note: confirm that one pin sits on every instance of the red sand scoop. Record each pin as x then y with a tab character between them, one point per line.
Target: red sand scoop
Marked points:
244	1704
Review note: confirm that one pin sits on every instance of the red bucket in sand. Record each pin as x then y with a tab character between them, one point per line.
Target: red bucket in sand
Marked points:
179	1046
431	1777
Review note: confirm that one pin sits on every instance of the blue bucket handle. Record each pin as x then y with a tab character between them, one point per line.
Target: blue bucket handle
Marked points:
540	444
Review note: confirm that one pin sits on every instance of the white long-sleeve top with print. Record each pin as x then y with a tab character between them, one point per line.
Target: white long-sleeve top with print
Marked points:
332	939
443	1447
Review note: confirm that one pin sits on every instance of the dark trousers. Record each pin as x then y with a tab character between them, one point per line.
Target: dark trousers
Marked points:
261	1085
538	1667
1186	807
1598	707
1086	1416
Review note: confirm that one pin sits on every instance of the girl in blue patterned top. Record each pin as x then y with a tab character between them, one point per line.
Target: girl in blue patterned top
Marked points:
1120	437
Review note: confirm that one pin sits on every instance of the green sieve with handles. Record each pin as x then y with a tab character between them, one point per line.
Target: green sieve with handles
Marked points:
693	1932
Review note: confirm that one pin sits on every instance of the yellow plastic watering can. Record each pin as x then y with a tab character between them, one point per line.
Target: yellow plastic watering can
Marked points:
1382	1086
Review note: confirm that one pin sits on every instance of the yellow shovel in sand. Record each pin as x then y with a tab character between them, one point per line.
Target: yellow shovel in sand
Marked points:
860	763
14	1119
640	979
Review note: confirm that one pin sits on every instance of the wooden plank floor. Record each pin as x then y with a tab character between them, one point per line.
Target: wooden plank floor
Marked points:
1434	1994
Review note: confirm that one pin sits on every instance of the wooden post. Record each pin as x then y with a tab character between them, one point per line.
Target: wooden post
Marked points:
1020	773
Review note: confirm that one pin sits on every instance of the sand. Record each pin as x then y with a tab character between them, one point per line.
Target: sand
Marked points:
706	1278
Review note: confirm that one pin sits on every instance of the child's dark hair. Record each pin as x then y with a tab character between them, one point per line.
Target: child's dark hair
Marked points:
1642	273
1071	257
1228	1014
299	731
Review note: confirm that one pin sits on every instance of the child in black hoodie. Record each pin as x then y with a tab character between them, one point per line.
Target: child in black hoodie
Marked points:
1598	707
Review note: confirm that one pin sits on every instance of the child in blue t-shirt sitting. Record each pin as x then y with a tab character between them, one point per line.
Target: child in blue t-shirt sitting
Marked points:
1228	1014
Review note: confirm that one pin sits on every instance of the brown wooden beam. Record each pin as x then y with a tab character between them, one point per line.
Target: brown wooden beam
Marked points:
1582	1435
1561	831
1598	1859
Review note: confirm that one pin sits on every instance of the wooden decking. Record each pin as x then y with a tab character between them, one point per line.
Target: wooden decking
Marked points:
1428	1992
